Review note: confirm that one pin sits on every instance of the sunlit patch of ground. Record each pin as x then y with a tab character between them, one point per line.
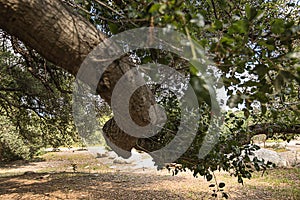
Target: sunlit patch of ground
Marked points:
55	178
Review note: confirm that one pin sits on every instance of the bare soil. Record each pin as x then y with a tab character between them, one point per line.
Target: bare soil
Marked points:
54	177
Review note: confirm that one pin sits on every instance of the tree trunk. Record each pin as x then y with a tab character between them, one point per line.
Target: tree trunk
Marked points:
65	39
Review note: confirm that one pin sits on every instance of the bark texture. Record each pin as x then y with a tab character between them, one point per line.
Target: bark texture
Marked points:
50	28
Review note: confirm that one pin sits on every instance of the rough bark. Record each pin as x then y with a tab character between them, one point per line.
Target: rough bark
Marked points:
65	39
52	29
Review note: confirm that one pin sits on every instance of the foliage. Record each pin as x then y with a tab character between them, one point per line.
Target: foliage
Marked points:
11	145
35	103
252	43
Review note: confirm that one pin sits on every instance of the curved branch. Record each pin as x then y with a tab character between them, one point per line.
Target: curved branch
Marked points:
49	27
65	39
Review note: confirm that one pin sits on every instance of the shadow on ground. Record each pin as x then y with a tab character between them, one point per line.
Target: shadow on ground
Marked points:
88	186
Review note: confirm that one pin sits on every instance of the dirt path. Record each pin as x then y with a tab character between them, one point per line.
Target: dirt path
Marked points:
104	179
65	158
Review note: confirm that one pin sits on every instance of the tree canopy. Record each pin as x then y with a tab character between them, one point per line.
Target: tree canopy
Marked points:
253	44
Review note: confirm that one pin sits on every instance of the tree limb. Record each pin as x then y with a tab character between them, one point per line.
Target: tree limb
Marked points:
269	129
65	39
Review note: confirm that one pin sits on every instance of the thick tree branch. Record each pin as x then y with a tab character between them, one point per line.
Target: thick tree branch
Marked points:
272	129
65	39
269	130
49	27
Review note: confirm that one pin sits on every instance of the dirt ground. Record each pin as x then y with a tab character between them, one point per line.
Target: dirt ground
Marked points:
79	175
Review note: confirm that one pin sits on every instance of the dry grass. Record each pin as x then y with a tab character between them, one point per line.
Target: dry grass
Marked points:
58	181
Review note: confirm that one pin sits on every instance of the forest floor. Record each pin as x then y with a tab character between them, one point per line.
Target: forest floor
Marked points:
74	174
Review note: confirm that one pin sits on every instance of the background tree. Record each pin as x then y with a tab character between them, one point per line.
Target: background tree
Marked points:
35	99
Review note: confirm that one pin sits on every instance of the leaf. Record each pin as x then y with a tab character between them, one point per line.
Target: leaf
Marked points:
209	177
162	8
278	82
114	29
251	12
257	168
200	89
227	40
246	113
240	180
287	75
291	4
263	109
261	69
225	195
268	46
260	14
221	185
154	8
218	25
193	70
240	26
146	59
248	11
261	96
278	26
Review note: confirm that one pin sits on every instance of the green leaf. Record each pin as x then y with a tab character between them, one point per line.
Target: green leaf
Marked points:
240	27
162	8
287	75
114	29
261	69
261	96
257	168
251	12
209	177
263	109
193	70
154	8
268	46
227	40
248	11
278	82
218	25
146	59
278	26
